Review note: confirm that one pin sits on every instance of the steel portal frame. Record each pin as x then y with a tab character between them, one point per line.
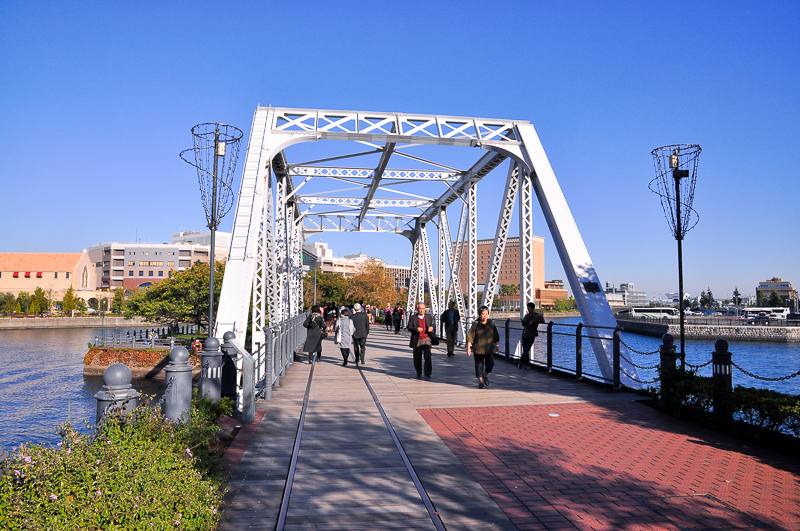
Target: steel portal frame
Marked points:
275	214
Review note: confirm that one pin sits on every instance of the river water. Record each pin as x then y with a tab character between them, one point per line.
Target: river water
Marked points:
42	383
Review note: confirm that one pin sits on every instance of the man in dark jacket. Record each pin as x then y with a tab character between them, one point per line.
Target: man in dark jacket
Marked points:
421	327
530	330
449	321
361	324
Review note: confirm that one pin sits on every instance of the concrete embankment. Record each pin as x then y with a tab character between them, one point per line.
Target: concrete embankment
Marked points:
785	334
26	323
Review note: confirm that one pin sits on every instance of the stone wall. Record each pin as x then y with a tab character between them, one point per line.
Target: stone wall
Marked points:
25	323
785	334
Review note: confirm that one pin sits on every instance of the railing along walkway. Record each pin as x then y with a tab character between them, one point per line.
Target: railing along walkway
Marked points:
349	472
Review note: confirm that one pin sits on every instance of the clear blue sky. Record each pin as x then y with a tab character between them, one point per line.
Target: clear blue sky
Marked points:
97	102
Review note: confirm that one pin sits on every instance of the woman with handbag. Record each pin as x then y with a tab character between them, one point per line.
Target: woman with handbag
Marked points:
421	327
315	334
483	340
344	334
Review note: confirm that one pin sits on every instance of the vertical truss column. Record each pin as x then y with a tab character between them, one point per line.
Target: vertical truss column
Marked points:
501	235
455	264
526	287
298	267
270	260
472	248
426	253
261	279
442	258
413	284
281	250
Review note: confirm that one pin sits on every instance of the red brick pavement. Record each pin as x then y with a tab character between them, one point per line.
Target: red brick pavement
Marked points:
618	465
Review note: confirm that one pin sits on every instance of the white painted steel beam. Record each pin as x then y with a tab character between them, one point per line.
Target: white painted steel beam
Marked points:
501	235
527	290
578	266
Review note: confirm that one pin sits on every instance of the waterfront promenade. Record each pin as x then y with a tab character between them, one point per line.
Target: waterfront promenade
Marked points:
534	451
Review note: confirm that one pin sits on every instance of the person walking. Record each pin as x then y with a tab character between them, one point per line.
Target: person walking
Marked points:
449	322
387	317
421	327
315	325
360	333
483	340
397	317
530	330
344	335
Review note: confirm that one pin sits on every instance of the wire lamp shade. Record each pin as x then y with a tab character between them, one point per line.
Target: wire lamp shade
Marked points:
674	163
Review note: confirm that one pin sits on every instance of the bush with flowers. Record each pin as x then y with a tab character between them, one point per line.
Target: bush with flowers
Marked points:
140	471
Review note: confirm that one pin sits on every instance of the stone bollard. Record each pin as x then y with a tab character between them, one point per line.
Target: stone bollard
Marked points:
178	378
229	359
723	383
669	370
116	393
211	371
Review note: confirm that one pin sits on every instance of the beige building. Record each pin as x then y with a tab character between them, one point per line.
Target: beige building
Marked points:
783	288
49	271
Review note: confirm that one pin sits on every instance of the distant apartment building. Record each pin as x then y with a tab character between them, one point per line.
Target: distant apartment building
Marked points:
625	295
544	292
134	265
222	240
50	271
318	255
783	288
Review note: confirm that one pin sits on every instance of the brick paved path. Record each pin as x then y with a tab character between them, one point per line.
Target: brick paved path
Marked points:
618	465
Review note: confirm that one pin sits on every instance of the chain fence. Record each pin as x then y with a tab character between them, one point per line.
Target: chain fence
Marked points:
764	378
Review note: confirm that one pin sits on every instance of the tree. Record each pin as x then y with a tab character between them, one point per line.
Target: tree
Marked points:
509	289
183	297
762	299
39	301
331	287
775	300
70	302
565	305
710	296
7	303
737	297
24	302
372	284
118	305
703	299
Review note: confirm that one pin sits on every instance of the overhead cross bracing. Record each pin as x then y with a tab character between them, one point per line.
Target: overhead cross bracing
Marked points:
395	174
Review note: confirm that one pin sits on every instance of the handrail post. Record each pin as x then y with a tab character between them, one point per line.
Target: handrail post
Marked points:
723	383
579	352
508	349
617	340
269	362
550	346
668	355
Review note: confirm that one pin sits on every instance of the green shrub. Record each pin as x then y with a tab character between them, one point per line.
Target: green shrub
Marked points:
139	472
767	409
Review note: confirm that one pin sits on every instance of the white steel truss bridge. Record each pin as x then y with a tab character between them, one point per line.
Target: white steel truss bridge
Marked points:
282	202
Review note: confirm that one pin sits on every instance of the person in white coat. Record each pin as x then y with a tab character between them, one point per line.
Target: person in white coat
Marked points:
344	335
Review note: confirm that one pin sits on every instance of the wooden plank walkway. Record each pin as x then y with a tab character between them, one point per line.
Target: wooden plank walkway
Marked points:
350	474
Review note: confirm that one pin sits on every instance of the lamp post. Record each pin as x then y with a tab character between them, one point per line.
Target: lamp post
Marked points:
675	163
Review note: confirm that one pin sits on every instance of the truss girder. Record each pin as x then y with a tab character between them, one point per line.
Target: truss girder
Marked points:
455	261
369	173
442	263
501	235
426	253
357	202
578	266
527	289
313	223
397	127
414	287
376	180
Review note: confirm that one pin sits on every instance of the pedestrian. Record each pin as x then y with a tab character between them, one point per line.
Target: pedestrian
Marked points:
344	335
387	317
449	320
397	317
327	314
361	324
315	334
483	340
530	329
421	327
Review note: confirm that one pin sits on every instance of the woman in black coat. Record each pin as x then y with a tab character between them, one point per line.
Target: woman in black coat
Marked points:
315	325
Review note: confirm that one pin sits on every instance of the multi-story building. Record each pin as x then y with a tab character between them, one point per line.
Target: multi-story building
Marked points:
134	265
50	271
222	240
509	268
783	288
625	295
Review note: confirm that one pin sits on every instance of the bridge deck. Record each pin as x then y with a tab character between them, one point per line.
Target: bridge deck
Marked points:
488	459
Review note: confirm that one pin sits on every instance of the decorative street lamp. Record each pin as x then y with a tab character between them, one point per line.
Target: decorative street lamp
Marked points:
672	164
215	151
